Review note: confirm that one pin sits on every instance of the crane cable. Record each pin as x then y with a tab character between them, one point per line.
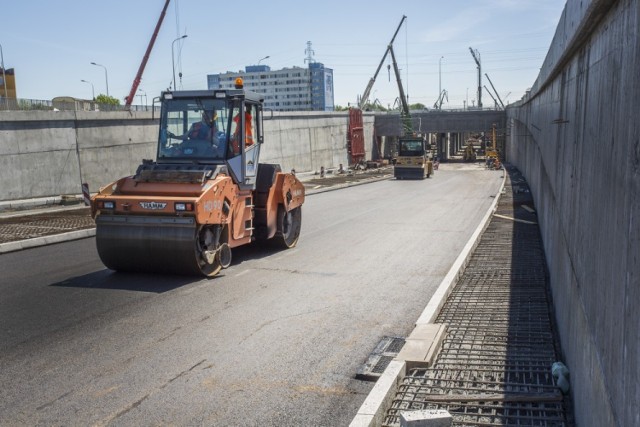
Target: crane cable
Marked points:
179	60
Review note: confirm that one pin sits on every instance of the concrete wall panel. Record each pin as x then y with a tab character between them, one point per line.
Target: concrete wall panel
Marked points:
48	172
576	138
45	153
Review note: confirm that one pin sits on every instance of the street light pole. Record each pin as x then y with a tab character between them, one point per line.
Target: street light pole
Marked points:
106	77
4	76
173	66
93	92
262	59
440	76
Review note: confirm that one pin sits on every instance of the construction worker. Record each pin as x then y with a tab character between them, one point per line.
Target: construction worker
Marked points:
197	130
248	132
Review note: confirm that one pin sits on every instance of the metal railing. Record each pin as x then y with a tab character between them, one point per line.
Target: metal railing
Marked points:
11	104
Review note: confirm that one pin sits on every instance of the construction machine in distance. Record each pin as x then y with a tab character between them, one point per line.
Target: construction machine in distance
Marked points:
205	194
414	158
414	152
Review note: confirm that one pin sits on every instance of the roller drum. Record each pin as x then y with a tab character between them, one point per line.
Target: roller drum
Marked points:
148	244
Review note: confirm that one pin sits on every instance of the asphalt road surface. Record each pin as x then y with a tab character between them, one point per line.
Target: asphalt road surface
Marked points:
273	341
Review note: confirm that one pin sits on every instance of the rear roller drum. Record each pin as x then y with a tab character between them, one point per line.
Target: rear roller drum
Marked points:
289	224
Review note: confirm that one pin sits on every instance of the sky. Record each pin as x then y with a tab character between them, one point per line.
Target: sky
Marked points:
51	45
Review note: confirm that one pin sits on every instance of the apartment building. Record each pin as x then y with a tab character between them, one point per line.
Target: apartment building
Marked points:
287	89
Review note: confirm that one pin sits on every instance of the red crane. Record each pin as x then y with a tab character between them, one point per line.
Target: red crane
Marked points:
136	81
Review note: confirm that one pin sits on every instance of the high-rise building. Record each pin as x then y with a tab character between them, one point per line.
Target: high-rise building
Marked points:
287	89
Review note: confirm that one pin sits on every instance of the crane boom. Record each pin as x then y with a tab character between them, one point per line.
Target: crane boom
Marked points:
491	95
403	99
438	104
494	90
405	115
145	58
367	91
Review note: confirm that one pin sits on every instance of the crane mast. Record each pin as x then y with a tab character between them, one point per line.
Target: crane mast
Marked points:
476	57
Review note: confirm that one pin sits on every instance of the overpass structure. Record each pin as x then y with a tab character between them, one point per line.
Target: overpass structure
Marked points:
449	126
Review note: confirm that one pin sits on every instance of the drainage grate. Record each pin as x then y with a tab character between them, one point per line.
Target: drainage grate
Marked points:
386	350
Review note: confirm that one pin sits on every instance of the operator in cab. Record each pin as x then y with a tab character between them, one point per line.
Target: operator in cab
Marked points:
204	129
200	140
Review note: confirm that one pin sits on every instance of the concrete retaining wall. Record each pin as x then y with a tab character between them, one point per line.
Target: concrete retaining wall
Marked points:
46	153
576	138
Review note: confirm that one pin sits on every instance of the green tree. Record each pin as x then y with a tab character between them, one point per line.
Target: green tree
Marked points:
417	106
106	99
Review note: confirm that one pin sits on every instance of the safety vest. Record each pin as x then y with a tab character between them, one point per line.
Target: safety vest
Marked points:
248	132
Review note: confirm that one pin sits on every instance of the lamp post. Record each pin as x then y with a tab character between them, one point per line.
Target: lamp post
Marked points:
440	75
262	59
106	77
4	76
173	66
93	92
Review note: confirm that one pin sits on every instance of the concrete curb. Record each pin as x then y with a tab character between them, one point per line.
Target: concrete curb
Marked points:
30	203
39	210
373	409
46	240
345	185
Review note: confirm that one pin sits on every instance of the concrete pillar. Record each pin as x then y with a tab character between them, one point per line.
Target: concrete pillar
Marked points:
442	146
448	144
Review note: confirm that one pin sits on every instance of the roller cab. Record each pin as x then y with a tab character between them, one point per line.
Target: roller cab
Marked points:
205	194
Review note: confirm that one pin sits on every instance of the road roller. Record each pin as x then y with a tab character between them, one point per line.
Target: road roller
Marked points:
414	158
205	194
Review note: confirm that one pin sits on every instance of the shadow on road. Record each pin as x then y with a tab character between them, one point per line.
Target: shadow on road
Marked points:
109	279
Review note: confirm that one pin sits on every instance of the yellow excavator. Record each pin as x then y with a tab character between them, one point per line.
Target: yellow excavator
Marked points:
205	194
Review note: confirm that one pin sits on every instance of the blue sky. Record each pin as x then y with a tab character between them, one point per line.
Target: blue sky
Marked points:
51	44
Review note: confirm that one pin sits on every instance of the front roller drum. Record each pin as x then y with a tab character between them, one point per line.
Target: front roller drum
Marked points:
160	245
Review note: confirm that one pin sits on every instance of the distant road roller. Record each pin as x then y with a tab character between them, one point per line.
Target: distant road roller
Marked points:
205	194
414	158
